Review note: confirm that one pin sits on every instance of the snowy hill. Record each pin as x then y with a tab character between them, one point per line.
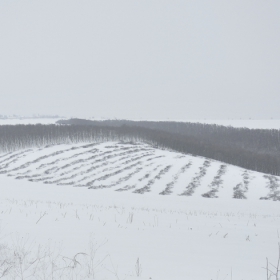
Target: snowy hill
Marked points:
137	168
115	210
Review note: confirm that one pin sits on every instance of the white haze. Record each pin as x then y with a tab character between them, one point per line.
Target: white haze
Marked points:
141	59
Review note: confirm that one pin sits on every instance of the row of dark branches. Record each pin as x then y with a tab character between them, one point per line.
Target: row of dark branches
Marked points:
257	150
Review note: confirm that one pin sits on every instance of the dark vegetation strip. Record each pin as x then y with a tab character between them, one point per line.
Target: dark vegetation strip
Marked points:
27	164
216	183
265	140
45	165
75	162
55	169
147	175
170	186
255	149
240	190
196	181
129	187
12	156
104	163
274	188
5	154
12	159
147	188
121	180
106	176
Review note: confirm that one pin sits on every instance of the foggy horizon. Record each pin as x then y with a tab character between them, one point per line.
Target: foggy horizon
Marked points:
158	60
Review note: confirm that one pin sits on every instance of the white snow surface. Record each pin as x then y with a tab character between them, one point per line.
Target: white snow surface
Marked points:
26	121
105	199
252	124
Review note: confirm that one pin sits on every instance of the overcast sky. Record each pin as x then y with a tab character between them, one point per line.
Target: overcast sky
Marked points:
148	59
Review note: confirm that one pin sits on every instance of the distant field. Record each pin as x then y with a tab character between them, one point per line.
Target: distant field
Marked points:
28	121
252	124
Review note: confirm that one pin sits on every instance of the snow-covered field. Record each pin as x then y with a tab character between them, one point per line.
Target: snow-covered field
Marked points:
252	124
29	121
130	211
137	168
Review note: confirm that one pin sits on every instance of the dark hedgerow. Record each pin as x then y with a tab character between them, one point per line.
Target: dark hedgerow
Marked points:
253	149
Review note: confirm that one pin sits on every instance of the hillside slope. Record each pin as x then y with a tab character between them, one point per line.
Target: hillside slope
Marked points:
137	168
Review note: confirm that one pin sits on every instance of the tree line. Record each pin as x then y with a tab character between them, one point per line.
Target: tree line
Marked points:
257	150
